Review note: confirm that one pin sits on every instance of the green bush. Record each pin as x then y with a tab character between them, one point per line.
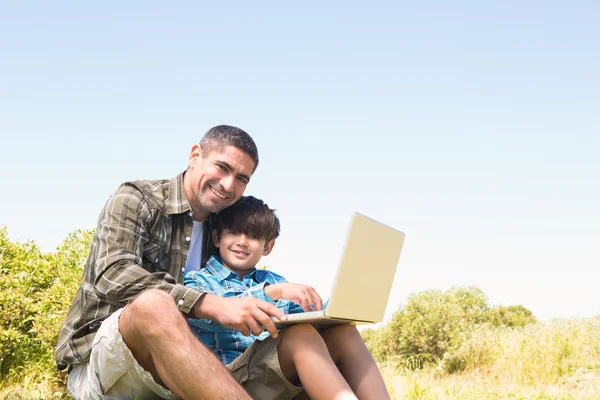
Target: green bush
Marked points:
511	316
434	322
23	278
431	323
36	291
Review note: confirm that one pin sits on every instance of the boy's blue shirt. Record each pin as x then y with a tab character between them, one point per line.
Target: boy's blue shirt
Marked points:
225	343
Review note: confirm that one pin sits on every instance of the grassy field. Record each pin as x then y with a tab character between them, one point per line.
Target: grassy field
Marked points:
422	384
547	360
430	385
439	345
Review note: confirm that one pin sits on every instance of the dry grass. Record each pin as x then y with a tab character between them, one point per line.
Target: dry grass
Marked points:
430	385
546	360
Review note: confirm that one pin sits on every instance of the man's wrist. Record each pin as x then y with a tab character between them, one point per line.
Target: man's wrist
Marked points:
200	308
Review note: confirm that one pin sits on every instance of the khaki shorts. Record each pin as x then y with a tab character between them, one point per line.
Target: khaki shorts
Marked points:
259	372
113	373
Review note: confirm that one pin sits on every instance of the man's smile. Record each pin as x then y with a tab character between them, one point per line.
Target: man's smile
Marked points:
217	193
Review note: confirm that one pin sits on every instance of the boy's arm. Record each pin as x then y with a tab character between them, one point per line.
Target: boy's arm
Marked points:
300	297
199	281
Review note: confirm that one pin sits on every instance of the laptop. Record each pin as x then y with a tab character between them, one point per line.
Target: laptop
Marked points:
364	277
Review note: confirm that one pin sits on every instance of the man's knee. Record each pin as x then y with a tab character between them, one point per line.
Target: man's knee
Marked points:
152	312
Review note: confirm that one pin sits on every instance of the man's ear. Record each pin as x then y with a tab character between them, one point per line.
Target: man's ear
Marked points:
195	154
215	238
268	247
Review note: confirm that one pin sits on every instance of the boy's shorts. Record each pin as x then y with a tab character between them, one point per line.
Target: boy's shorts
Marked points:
259	372
113	373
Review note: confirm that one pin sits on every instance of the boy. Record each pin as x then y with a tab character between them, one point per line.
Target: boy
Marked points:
331	363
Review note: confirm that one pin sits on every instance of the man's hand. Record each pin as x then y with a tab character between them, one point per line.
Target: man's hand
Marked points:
247	315
303	295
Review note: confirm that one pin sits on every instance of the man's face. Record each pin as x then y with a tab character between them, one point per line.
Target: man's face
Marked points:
216	178
241	252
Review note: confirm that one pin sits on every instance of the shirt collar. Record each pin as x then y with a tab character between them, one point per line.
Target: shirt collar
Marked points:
217	269
176	201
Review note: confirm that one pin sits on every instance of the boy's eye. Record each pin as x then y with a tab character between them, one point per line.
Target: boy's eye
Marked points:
252	236
234	233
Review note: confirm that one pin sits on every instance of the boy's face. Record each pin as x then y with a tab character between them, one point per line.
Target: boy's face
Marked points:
240	252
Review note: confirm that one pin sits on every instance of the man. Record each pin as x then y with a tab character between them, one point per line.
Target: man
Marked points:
126	335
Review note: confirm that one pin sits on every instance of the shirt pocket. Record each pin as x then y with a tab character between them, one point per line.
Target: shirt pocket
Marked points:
155	258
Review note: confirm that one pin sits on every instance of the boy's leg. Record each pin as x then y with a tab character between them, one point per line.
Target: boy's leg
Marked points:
349	352
303	355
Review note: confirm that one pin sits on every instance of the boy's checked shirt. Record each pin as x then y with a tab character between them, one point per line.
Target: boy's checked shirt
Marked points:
225	343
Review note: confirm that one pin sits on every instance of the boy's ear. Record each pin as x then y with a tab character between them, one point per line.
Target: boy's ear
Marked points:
215	238
268	247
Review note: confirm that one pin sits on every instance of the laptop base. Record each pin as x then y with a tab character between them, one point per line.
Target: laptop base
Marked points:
318	320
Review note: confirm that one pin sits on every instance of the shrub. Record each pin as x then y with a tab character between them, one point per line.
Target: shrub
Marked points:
36	291
511	316
434	322
67	264
24	276
431	323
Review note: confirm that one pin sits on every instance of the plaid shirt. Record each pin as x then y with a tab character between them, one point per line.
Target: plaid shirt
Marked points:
141	242
225	343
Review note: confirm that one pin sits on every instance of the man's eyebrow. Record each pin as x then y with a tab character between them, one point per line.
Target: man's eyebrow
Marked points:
230	168
246	177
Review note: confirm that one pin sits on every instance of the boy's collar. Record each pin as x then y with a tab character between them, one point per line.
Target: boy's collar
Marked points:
215	267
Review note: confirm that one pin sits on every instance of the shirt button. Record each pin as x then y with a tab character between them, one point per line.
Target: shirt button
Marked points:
187	238
156	260
180	302
182	269
191	214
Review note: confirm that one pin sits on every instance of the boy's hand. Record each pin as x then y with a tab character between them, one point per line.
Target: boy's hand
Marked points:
247	315
303	295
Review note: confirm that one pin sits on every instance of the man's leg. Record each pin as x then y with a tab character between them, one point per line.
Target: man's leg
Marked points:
349	352
303	355
160	340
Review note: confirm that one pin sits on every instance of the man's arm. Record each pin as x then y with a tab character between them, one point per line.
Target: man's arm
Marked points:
123	231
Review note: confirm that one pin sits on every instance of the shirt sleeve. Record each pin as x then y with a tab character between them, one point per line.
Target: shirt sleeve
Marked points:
123	231
199	281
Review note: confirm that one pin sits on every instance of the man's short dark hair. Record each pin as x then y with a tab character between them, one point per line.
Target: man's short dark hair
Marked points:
250	216
226	135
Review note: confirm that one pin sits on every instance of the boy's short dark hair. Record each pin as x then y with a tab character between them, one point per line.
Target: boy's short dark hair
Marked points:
250	216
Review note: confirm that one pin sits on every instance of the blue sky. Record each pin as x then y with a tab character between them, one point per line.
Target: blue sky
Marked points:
472	127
